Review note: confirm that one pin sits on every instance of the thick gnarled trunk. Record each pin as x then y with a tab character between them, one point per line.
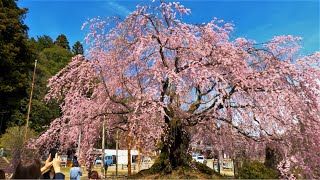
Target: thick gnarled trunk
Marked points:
174	148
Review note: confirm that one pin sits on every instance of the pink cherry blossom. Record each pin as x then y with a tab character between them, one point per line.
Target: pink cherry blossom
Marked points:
231	94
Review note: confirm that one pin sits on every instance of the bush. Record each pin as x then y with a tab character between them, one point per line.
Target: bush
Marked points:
257	170
12	140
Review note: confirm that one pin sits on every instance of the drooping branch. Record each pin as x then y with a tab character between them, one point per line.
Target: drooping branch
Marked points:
113	98
239	130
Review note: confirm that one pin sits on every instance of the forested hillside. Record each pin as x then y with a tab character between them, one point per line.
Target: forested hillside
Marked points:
18	53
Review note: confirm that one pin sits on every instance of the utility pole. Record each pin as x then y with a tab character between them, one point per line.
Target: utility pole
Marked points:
103	144
117	146
30	101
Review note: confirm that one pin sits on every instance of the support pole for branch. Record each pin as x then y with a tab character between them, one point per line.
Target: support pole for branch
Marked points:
30	101
219	162
129	152
79	141
117	146
139	153
103	144
234	168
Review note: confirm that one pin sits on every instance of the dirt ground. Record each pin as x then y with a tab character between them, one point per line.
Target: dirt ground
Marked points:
123	170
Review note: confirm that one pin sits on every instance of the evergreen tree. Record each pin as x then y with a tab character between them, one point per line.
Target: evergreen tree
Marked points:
44	42
50	61
77	48
16	57
33	43
62	41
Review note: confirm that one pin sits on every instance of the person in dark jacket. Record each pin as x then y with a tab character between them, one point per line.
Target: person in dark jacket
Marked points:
75	160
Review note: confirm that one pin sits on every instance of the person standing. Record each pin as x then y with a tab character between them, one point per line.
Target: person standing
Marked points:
74	160
89	169
75	171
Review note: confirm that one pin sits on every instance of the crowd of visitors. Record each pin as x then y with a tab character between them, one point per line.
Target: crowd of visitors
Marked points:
31	169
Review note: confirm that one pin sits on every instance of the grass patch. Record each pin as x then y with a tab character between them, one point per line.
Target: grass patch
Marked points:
199	171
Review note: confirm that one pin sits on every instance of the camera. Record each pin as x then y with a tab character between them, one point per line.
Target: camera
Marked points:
52	152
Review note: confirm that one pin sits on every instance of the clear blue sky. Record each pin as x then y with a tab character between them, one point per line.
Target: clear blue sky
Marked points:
254	19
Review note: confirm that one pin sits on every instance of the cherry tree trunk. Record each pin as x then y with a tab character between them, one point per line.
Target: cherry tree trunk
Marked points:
174	148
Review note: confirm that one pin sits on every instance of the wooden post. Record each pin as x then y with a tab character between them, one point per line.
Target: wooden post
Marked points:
234	168
129	152
79	141
117	146
139	153
30	101
103	144
219	166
